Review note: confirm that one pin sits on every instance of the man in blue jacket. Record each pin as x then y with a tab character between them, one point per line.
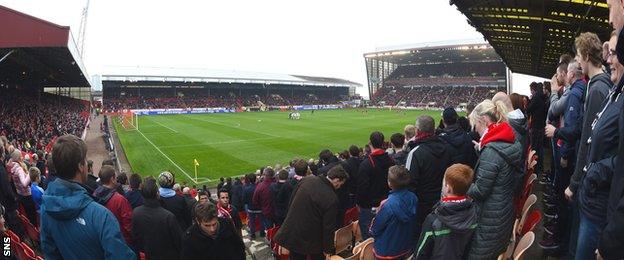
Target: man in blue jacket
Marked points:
394	226
73	225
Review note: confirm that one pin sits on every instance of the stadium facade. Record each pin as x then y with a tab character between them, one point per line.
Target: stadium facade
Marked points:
426	68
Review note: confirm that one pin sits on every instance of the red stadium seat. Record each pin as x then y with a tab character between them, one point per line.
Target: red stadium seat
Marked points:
28	252
534	218
31	231
351	215
13	236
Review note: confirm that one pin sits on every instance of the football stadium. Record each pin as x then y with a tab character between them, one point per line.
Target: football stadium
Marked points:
506	145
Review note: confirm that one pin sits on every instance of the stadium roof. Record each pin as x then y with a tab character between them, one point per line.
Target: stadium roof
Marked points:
436	52
134	74
531	35
35	52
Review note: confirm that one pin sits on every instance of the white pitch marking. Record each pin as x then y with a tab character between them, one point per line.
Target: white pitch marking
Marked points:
174	164
246	129
165	126
223	142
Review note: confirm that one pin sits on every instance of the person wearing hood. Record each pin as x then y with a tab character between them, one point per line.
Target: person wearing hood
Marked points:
463	150
493	187
173	202
115	202
372	181
426	164
454	219
394	225
73	224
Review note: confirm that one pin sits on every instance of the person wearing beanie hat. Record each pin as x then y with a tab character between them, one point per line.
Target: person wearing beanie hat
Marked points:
173	202
462	149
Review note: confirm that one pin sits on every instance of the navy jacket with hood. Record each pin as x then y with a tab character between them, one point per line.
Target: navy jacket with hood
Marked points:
461	142
394	226
74	226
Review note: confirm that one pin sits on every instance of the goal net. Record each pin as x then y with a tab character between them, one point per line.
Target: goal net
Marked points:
129	120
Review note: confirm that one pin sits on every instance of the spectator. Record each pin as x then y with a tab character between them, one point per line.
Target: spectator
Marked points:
237	194
225	210
115	202
454	219
155	230
518	123
492	190
35	190
328	161
177	188
537	110
397	141
611	243
91	182
565	159
21	180
280	196
211	237
462	147
372	177
426	164
253	211
7	196
190	201
309	227
41	163
410	137
595	186
203	196
67	209
122	183
134	194
395	223
262	198
301	170
172	202
516	120
221	183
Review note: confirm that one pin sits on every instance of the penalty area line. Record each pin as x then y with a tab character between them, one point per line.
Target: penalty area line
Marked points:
167	157
165	126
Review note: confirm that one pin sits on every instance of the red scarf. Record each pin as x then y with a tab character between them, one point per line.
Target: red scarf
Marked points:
375	152
224	212
422	136
454	199
500	132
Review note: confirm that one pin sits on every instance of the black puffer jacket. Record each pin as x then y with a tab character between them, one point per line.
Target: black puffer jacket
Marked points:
372	179
427	163
461	143
226	245
493	194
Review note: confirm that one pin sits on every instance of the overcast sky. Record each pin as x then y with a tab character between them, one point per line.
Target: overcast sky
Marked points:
315	38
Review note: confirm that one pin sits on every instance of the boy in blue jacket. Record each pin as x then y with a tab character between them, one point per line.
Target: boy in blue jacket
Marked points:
394	226
448	229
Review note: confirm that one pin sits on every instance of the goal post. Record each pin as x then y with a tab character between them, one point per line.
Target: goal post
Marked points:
129	120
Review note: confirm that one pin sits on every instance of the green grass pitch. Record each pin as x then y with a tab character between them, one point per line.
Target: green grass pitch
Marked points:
239	143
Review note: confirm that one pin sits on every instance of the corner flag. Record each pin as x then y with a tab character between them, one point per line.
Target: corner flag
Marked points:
195	162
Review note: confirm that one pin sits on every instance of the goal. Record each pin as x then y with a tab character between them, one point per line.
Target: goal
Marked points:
129	120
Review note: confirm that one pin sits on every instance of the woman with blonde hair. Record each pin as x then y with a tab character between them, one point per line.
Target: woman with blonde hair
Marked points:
492	190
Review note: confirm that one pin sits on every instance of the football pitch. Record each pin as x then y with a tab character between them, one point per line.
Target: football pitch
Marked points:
233	144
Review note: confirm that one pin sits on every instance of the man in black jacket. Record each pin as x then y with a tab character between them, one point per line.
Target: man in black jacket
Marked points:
329	161
211	237
310	223
280	196
460	141
155	230
537	110
354	163
372	180
172	202
426	164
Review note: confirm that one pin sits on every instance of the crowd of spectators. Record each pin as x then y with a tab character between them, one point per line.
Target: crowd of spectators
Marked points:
158	99
433	96
31	122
